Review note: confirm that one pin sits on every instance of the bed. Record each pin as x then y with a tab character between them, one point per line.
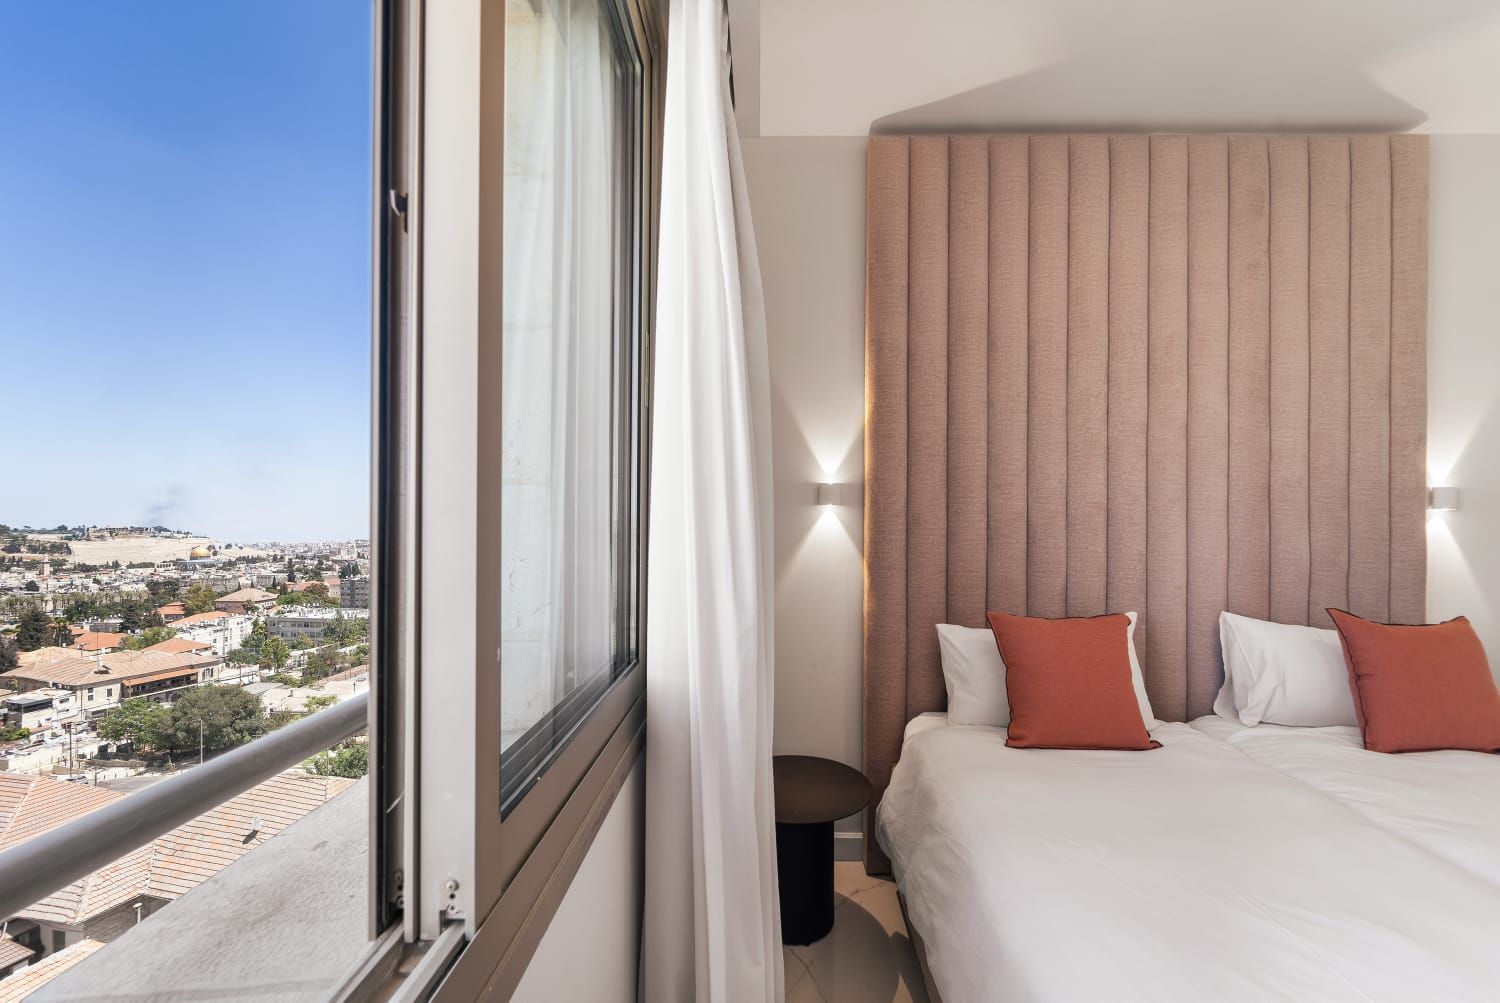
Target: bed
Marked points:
1195	871
1175	375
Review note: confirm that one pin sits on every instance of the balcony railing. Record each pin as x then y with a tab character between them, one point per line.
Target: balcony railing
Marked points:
56	858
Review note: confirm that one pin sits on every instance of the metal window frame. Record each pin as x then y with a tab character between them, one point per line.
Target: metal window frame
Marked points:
499	881
395	455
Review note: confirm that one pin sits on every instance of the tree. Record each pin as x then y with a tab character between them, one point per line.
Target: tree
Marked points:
199	598
9	656
33	630
274	653
81	609
32	586
317	703
349	570
147	637
163	590
319	664
136	614
352	760
139	721
317	593
62	632
229	716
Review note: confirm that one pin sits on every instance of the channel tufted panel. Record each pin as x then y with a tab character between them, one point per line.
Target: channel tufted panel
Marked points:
1174	374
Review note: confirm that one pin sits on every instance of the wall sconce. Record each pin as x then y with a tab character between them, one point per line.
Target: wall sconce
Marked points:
826	494
1444	499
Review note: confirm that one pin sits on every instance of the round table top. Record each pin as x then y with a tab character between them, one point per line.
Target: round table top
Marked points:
810	789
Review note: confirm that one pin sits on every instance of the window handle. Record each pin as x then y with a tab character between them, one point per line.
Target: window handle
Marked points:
397	201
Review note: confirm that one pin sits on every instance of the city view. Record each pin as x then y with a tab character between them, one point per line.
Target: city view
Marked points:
128	654
184	495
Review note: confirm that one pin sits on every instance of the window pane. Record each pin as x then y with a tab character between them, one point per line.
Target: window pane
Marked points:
568	461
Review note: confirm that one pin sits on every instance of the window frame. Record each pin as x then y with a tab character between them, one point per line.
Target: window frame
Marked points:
444	856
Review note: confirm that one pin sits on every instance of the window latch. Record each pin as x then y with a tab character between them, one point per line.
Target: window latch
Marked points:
397	202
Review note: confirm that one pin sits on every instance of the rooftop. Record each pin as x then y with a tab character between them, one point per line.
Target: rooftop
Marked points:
247	595
98	640
198	619
180	646
116	666
31	978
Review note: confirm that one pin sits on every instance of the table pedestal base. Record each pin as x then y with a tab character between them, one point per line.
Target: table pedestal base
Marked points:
804	876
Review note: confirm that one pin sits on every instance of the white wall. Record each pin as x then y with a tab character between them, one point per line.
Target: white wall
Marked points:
808	195
808	199
591	950
1463	426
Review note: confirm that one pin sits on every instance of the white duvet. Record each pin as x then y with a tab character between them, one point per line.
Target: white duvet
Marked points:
1447	803
1191	872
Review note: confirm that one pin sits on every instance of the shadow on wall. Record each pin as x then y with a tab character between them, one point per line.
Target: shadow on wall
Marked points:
1262	67
1106	90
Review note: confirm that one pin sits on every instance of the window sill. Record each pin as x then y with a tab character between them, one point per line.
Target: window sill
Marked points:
288	921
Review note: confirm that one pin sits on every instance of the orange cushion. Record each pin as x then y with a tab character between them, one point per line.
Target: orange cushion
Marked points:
1069	683
1420	687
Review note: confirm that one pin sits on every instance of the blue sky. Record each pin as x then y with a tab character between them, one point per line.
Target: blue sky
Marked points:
184	265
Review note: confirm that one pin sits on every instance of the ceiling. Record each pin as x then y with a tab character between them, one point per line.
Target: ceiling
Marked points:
851	67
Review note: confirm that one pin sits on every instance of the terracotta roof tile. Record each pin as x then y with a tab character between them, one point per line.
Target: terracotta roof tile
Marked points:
11	952
33	977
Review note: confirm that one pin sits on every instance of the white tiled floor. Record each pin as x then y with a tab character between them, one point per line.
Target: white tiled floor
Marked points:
867	958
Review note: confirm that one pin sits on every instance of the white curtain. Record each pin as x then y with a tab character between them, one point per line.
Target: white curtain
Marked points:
712	929
562	241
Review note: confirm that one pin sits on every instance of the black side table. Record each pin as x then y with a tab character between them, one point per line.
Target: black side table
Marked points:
811	794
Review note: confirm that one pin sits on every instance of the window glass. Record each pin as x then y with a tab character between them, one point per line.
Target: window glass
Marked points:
570	369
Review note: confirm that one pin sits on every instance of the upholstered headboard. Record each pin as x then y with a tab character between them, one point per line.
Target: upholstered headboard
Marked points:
1171	374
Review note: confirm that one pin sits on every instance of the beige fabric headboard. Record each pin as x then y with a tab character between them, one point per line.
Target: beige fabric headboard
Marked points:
1171	374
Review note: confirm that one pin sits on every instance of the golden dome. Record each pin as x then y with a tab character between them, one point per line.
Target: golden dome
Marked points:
199	552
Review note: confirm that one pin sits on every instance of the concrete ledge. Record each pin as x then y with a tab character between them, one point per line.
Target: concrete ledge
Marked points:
285	922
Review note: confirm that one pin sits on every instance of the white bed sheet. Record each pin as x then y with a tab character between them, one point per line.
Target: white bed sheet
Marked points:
1447	803
1190	872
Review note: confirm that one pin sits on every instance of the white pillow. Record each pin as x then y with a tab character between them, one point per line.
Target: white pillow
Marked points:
974	676
1282	673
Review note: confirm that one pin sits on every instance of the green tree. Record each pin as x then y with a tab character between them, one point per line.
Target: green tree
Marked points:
32	586
33	630
320	702
229	715
348	570
62	632
274	653
139	721
164	590
136	614
9	656
352	760
81	609
147	637
316	594
199	598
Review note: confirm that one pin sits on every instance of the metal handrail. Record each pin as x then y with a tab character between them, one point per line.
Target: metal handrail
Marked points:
56	858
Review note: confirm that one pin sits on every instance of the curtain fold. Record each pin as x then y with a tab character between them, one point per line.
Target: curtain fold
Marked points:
712	928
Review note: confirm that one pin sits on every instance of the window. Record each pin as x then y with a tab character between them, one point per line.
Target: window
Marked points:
533	263
571	371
